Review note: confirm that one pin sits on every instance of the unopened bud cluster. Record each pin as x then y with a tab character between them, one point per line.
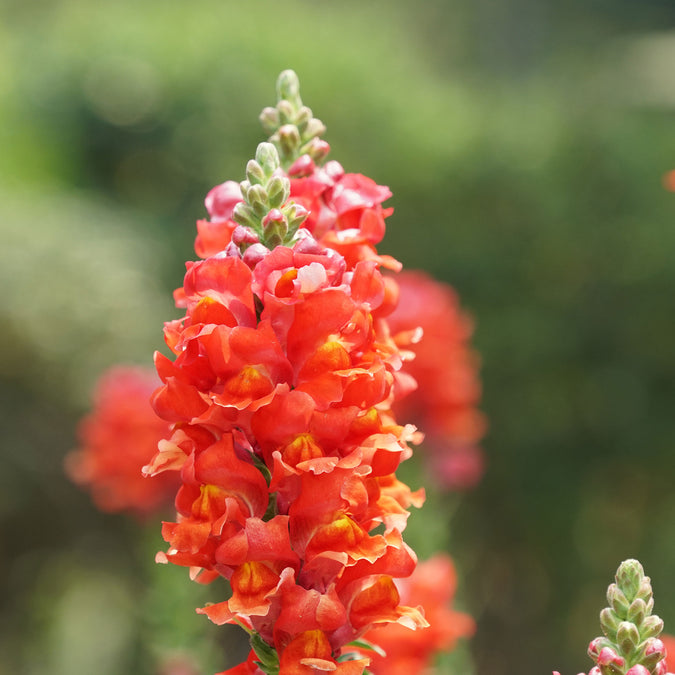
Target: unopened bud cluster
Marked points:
630	645
292	127
265	209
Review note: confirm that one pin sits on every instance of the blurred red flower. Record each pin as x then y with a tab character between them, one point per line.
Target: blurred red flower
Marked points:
116	439
446	370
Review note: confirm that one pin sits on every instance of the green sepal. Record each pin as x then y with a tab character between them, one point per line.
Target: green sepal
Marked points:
267	655
369	646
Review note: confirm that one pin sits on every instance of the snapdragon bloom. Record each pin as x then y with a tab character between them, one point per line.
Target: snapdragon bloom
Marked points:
117	438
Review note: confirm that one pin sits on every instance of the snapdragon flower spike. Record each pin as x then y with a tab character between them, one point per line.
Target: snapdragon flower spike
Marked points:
630	644
280	390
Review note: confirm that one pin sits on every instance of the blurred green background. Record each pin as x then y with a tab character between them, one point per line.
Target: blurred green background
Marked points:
525	142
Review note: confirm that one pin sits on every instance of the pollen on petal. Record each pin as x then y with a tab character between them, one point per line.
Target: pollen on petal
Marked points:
302	448
253	579
249	383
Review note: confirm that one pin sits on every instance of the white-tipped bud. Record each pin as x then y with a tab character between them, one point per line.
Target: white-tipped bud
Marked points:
254	173
268	158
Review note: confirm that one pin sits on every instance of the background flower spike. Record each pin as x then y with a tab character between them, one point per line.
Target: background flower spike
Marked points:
630	645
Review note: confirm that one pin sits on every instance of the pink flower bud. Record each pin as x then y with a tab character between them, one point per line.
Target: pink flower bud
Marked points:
230	251
244	235
655	646
595	646
318	148
303	166
305	243
608	656
254	254
334	170
638	669
274	216
221	200
595	671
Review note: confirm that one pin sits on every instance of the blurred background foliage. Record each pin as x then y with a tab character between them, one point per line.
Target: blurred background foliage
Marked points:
525	143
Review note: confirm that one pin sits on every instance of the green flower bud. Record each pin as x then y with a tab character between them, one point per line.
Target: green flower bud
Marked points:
609	622
637	611
627	637
288	87
286	112
645	589
245	186
302	117
269	118
279	190
268	158
314	128
289	139
628	577
651	627
254	173
258	199
296	215
243	214
617	601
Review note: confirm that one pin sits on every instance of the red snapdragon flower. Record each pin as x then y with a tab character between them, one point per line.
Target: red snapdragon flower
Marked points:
116	439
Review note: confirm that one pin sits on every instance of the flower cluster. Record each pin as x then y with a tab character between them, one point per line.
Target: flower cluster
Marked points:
630	644
280	391
117	438
446	371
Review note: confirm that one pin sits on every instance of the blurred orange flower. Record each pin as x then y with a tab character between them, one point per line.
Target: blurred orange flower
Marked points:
117	438
446	370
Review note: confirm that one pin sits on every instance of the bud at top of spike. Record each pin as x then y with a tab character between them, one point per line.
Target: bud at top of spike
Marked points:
288	87
629	577
268	158
291	126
